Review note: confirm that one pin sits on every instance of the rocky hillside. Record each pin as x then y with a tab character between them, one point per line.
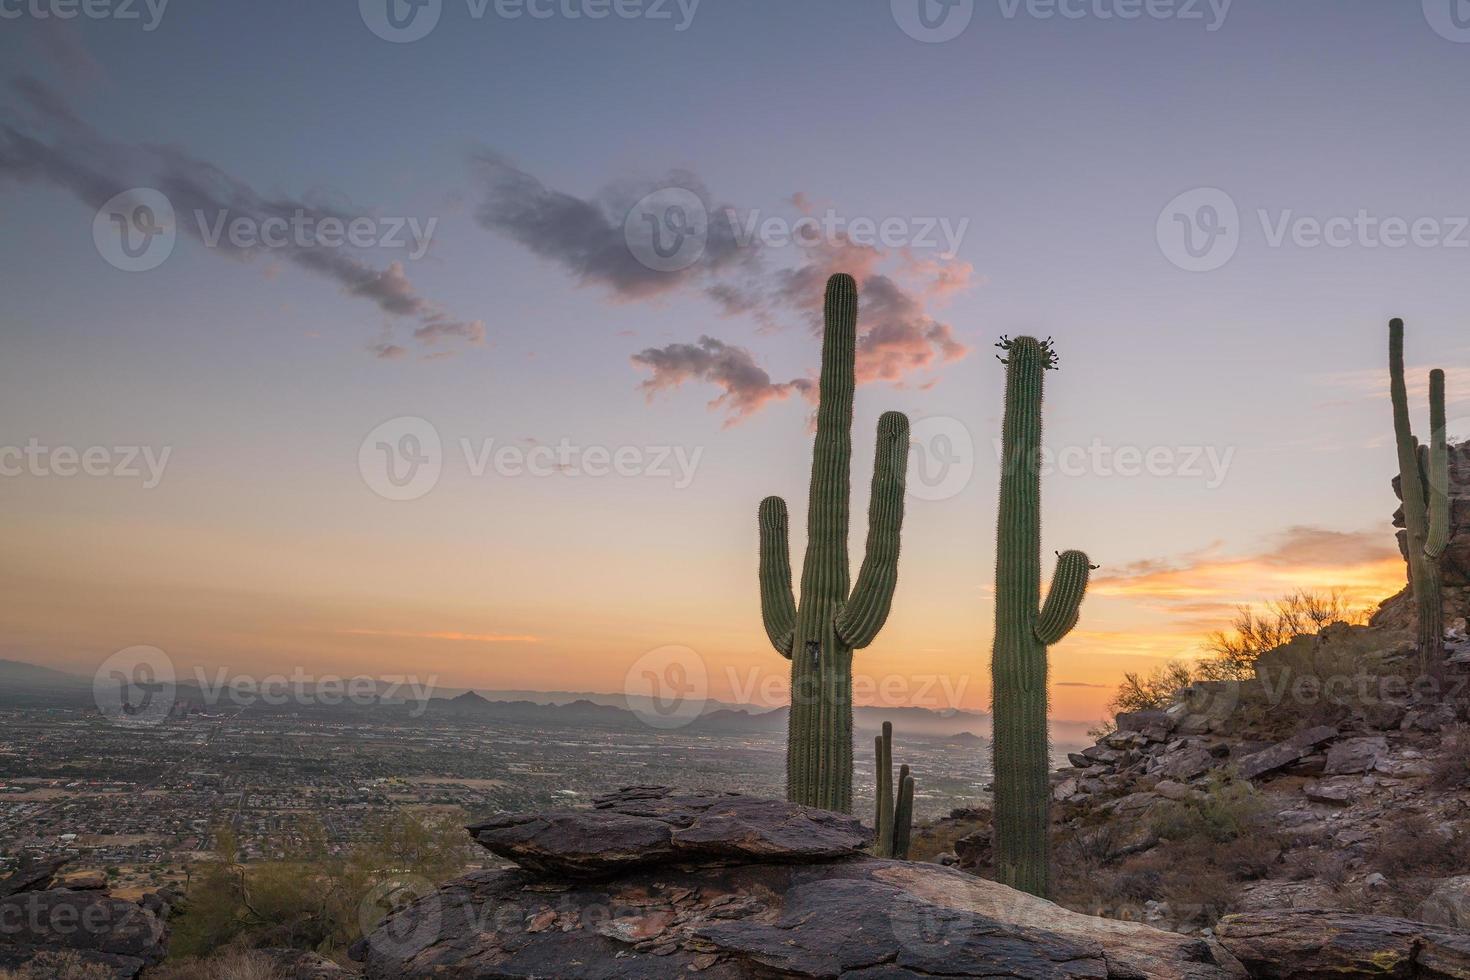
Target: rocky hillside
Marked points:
1335	779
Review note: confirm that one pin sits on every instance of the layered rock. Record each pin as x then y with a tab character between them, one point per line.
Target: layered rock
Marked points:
48	917
653	883
1293	944
1398	612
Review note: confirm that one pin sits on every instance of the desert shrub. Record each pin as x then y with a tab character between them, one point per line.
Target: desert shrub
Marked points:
235	964
1234	652
1228	810
1325	865
1413	843
1450	766
58	966
312	899
1141	692
1248	858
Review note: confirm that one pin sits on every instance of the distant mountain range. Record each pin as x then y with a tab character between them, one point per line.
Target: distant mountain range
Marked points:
27	683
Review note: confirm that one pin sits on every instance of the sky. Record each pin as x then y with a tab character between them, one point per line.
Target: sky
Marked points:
511	432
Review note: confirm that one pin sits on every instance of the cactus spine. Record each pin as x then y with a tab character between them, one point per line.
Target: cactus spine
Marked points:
892	821
820	634
1022	630
1424	485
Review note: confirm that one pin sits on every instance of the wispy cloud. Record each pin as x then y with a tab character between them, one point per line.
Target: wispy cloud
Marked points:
1200	590
585	237
446	635
46	142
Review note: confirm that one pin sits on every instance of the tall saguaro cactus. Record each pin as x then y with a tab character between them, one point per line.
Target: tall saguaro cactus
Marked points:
820	634
1024	628
1424	485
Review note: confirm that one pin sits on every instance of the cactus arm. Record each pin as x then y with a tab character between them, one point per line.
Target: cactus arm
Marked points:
1064	598
1439	471
867	608
1411	481
778	607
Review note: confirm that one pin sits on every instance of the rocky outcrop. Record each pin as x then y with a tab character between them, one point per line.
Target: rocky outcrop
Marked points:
1298	944
1398	612
649	825
728	886
45	915
119	937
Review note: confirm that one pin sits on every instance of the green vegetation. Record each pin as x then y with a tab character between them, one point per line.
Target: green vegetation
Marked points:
893	821
820	635
1424	485
314	900
1022	630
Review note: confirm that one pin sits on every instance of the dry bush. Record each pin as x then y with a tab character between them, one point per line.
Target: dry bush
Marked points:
1141	692
1302	613
1450	767
1414	844
1248	858
1329	867
1229	810
58	966
229	965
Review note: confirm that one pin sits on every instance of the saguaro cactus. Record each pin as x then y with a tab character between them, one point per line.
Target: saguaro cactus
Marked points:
820	634
893	822
1022	630
1424	485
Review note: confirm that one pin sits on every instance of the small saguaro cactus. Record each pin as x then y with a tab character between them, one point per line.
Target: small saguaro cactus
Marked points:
819	635
1424	485
1024	628
893	822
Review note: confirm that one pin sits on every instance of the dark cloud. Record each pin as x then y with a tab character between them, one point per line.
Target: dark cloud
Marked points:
745	385
54	146
586	238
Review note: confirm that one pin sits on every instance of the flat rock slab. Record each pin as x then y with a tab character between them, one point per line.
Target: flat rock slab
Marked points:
1355	755
1283	754
1304	944
646	825
867	918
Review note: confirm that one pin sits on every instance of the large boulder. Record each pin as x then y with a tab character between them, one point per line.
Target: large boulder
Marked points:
116	937
1304	944
1449	903
653	883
